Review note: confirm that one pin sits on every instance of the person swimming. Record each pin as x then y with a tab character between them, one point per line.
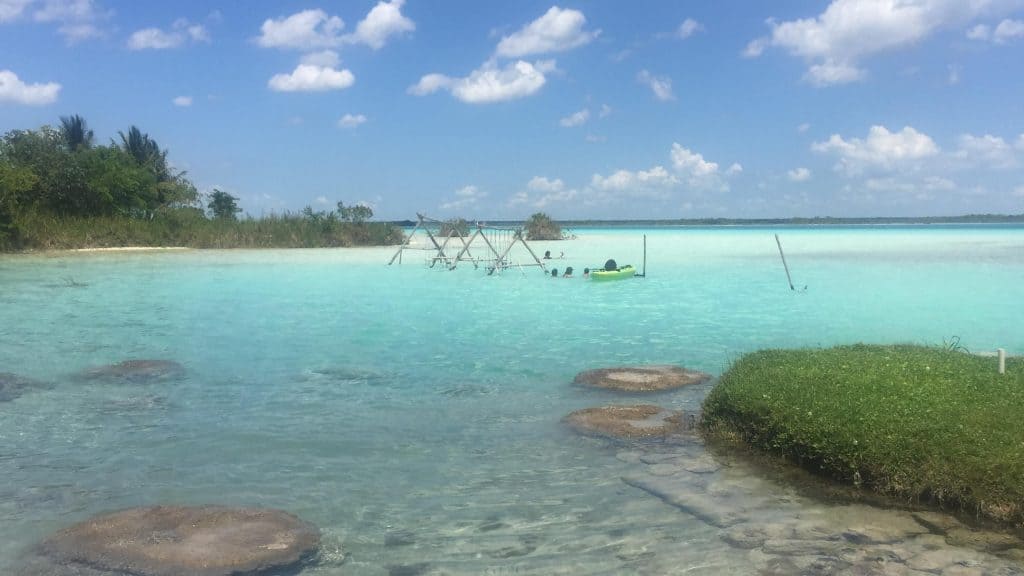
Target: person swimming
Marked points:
568	272
554	272
586	272
610	265
547	254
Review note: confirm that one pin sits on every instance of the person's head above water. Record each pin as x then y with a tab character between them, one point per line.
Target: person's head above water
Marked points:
554	272
547	254
568	271
610	265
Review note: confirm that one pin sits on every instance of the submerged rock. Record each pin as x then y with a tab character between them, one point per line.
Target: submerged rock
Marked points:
136	371
12	386
176	540
627	422
641	378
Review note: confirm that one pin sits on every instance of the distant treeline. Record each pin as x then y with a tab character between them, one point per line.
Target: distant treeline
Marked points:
60	189
816	221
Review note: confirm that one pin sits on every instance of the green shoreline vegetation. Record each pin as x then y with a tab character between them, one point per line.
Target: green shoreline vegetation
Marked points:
61	190
914	423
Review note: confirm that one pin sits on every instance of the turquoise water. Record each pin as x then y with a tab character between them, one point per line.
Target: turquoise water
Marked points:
414	414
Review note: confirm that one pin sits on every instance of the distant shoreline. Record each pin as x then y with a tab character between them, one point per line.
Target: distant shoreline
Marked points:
816	221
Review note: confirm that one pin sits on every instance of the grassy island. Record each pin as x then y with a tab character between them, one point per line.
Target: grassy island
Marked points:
933	424
60	189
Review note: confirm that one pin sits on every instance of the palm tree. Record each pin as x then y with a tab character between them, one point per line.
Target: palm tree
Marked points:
146	152
76	133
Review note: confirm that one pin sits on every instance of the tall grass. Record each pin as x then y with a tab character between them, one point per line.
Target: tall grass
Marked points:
36	231
912	422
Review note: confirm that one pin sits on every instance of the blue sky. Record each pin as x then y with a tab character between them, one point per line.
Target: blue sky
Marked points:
602	109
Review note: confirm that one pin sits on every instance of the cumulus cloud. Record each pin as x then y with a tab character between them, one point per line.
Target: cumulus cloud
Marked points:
653	183
183	101
465	197
489	83
575	119
734	168
543	192
14	91
881	149
351	120
691	163
660	85
799	174
987	150
382	22
838	39
688	28
312	78
1004	32
313	29
180	33
77	19
557	30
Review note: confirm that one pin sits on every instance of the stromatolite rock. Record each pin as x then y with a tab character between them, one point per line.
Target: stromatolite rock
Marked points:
176	540
641	378
628	422
136	371
12	386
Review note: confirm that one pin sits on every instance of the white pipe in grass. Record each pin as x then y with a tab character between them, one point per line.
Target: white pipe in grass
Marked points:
1001	353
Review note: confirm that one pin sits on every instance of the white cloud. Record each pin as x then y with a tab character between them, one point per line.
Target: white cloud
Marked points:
882	149
799	174
989	151
1019	191
312	78
77	18
835	41
688	28
183	101
691	163
489	83
544	184
351	120
306	30
939	183
655	182
734	168
545	192
14	91
557	30
831	72
595	138
465	197
803	127
954	75
606	110
660	85
575	119
383	21
1020	142
12	9
321	200
429	84
1008	30
181	32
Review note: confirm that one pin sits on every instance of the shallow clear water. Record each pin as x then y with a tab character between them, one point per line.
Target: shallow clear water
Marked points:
414	414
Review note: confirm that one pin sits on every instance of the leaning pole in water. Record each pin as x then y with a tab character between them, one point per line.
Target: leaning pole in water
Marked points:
788	278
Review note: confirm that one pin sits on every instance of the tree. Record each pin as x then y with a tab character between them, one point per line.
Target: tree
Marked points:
540	226
146	152
223	206
75	133
357	214
455	227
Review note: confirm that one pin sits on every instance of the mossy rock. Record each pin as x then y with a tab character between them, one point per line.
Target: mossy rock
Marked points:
654	378
137	371
641	421
176	540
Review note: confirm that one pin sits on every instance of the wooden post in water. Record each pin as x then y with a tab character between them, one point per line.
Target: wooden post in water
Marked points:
788	279
1001	353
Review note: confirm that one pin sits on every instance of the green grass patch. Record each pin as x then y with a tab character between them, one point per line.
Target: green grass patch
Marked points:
915	423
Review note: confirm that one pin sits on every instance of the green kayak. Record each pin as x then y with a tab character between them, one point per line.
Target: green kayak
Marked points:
626	271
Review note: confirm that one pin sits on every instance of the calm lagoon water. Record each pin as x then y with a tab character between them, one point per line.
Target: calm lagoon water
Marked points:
413	413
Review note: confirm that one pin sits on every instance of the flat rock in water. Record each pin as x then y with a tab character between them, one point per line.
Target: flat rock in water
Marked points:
177	540
627	422
12	386
641	378
136	371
